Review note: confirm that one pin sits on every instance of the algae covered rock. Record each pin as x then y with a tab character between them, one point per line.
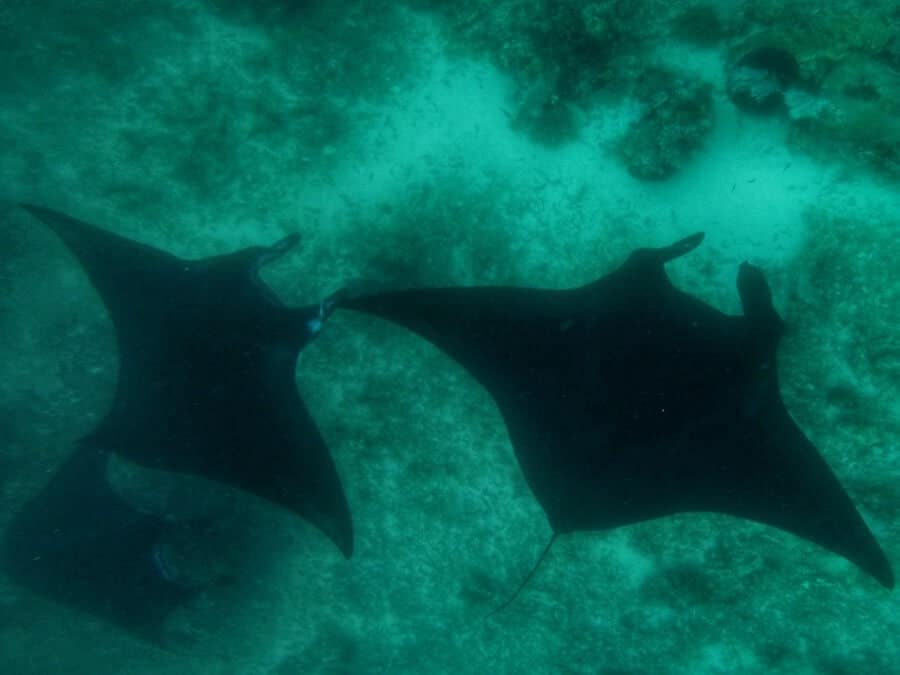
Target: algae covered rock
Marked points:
832	71
864	120
758	80
678	116
819	36
543	114
608	21
702	24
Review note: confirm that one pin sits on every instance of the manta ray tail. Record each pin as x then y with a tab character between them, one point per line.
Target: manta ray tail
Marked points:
521	586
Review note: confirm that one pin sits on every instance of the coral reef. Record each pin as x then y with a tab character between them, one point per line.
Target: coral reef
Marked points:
559	55
861	123
820	36
702	24
543	114
759	79
677	118
834	71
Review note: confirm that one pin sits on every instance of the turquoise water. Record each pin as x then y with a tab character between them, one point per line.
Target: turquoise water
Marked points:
532	143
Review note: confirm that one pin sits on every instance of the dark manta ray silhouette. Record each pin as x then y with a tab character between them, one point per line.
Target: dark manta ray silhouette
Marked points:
628	399
206	386
81	544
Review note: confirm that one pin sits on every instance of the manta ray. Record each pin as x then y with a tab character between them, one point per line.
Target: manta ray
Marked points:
627	399
206	387
78	542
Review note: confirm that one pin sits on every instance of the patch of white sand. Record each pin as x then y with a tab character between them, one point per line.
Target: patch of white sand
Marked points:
746	188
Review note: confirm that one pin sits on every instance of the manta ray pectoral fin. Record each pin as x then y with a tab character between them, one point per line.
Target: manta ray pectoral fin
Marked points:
79	543
207	361
114	264
786	483
795	489
628	399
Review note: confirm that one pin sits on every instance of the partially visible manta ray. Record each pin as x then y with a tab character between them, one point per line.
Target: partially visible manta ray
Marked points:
206	386
627	399
79	543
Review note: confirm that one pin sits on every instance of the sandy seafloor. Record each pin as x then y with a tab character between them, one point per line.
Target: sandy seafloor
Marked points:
391	151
